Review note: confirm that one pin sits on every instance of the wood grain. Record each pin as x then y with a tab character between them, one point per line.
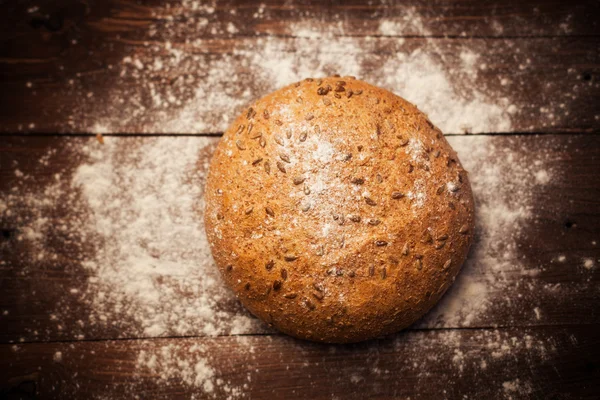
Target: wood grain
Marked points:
99	71
532	363
542	267
443	18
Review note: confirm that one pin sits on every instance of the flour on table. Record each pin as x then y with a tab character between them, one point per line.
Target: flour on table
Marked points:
139	233
503	187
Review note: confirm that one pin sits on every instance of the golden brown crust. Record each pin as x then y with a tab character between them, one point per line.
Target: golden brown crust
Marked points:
336	211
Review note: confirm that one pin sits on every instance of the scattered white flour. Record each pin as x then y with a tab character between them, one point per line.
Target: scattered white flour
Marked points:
168	362
517	388
138	230
503	187
178	86
139	235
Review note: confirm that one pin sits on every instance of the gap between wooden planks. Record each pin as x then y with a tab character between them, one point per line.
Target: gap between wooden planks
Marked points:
564	222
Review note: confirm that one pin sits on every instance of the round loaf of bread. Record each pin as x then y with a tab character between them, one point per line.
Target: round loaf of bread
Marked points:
336	211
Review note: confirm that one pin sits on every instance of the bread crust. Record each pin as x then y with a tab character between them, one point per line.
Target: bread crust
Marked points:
336	211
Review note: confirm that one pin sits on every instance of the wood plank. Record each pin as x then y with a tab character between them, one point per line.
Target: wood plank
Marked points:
533	363
121	67
273	17
106	240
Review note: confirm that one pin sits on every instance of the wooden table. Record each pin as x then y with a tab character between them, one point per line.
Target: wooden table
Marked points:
110	112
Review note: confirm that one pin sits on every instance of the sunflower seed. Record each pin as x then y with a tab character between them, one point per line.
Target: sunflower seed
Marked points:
250	126
341	220
269	212
320	251
354	218
349	93
256	135
358	92
257	161
299	100
370	201
298	180
447	264
436	154
427	237
318	286
262	142
281	166
306	207
379	178
405	249
397	195
288	134
358	181
453	187
266	114
381	243
403	140
284	274
267	167
439	245
309	304
326	101
303	136
220	216
284	157
290	258
322	91
374	222
337	96
419	264
279	140
251	113
309	117
229	268
240	129
278	122
240	145
464	229
276	284
248	210
306	190
410	168
319	82
440	190
384	273
269	266
443	237
371	270
351	274
247	286
290	295
318	295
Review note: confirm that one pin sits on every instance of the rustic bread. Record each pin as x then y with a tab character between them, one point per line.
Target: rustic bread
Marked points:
336	211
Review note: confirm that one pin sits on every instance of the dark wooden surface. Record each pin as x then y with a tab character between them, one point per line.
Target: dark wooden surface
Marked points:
80	78
522	320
